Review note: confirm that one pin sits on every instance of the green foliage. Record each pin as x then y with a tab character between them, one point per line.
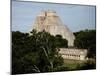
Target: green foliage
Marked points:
86	39
37	52
73	65
89	64
60	42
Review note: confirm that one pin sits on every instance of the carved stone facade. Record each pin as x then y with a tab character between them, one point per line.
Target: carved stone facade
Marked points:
50	22
72	53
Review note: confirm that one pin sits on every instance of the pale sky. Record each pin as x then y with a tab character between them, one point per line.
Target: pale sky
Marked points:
76	17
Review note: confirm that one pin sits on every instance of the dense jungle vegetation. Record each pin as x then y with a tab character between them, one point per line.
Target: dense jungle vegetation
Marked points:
38	51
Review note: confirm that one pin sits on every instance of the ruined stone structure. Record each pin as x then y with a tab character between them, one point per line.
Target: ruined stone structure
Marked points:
72	53
50	22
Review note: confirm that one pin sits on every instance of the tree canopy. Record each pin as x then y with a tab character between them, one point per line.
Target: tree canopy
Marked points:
86	39
36	52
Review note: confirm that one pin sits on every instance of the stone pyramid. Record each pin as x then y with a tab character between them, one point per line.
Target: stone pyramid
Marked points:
50	22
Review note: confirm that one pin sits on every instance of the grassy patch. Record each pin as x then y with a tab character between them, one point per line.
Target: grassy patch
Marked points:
73	64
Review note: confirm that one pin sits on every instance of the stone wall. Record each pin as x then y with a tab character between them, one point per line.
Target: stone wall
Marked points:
73	53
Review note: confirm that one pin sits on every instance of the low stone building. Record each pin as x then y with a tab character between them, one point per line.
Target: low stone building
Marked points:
73	53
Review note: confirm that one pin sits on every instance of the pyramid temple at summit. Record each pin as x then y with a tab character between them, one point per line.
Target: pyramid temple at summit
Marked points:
51	22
